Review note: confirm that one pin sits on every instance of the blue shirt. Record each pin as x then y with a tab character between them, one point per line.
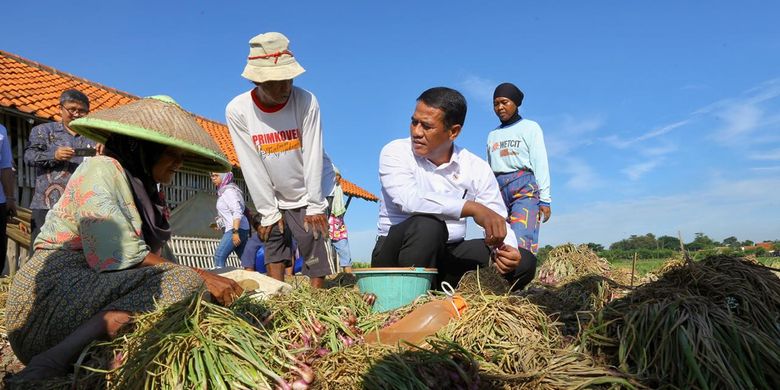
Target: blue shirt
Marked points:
6	159
250	251
51	175
520	146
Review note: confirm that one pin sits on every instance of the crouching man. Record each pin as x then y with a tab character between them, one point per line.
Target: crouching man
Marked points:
429	187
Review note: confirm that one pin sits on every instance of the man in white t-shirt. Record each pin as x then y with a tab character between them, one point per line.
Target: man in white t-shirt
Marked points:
276	130
429	187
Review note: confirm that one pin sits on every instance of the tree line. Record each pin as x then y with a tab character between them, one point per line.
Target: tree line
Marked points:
649	246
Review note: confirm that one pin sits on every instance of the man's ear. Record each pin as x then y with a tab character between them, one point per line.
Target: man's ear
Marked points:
455	131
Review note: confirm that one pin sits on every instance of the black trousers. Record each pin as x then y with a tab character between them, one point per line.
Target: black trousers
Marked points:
3	236
421	241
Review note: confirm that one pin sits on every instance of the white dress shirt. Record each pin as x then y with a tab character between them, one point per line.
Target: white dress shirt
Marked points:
414	185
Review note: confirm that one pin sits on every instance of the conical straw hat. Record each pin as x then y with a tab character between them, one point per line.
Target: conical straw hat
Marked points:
158	119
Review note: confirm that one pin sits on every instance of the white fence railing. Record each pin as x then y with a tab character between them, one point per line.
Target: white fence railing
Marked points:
199	252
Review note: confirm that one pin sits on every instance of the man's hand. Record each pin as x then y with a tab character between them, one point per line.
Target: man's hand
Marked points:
317	223
99	149
224	290
265	231
10	207
63	153
546	212
507	258
493	223
236	239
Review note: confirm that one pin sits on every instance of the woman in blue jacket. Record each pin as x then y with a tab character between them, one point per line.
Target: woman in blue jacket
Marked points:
516	153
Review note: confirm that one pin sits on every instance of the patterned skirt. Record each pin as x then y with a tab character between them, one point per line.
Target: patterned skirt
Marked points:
56	291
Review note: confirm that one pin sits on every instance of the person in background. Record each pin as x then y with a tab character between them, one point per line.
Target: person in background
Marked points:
7	191
52	151
429	187
518	158
338	230
230	207
97	261
253	245
277	135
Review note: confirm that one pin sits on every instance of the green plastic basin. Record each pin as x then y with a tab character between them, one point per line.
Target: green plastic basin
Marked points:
394	287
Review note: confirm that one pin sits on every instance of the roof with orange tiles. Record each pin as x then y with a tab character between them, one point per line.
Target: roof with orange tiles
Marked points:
34	89
769	246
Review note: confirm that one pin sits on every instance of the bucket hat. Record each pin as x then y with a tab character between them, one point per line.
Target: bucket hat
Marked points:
270	59
157	119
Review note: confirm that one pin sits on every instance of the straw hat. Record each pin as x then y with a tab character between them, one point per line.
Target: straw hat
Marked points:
270	59
158	119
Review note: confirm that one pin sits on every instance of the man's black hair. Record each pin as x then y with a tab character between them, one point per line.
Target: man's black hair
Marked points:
257	219
448	100
74	95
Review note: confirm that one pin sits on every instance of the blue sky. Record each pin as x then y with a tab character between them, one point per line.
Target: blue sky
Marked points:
658	116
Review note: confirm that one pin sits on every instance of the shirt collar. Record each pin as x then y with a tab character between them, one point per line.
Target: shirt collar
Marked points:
454	159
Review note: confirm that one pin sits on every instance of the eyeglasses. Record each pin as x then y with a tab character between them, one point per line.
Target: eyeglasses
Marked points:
76	111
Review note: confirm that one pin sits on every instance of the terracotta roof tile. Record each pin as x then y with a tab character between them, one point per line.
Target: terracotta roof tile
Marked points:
34	88
352	189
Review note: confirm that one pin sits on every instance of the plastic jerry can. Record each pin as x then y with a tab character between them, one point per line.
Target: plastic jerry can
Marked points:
420	323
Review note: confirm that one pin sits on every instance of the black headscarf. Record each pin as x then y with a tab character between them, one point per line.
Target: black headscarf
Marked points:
511	92
138	157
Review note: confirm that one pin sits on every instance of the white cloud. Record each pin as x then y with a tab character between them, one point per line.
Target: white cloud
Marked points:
765	155
739	121
766	91
635	172
478	88
747	209
662	130
741	116
622	143
582	177
694	87
658	151
570	134
774	169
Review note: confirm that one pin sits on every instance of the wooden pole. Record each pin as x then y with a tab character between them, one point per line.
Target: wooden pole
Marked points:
633	269
682	249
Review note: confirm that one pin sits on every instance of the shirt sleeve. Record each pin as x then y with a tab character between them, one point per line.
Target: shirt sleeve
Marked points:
311	134
400	187
109	224
38	153
6	161
489	196
257	179
538	158
235	204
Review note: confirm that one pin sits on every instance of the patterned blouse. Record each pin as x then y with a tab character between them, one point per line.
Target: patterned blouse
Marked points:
51	174
338	231
97	215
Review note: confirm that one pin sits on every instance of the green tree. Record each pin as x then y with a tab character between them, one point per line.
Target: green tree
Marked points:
669	242
635	242
731	242
543	252
595	247
701	242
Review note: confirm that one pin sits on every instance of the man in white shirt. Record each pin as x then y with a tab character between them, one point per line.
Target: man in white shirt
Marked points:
429	187
276	131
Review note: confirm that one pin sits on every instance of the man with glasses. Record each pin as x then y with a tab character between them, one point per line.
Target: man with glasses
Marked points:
56	151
